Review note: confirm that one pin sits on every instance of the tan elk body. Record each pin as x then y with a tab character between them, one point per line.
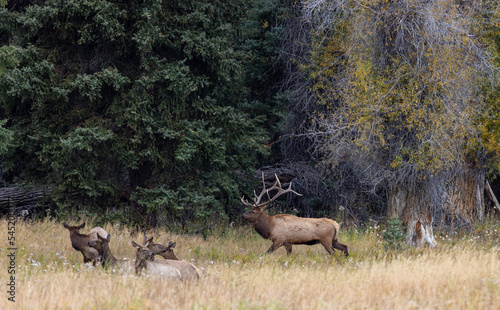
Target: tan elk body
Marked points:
80	241
287	230
146	264
187	269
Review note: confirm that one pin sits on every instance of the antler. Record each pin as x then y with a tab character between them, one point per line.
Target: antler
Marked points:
277	185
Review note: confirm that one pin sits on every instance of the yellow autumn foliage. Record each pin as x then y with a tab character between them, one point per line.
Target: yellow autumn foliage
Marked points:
401	85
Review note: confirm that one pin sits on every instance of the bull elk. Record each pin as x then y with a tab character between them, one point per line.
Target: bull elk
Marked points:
80	241
286	229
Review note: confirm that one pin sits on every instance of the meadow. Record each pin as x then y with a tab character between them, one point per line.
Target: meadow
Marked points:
463	272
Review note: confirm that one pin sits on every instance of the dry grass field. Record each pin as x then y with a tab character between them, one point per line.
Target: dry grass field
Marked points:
462	273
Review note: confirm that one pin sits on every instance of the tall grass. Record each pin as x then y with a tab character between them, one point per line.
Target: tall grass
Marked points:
462	273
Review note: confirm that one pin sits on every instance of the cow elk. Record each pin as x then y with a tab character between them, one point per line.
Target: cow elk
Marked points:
166	251
80	242
145	263
287	230
108	259
187	270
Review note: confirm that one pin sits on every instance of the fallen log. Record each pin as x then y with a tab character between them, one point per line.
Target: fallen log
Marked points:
20	198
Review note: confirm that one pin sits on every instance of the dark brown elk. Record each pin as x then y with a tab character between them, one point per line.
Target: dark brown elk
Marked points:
285	229
166	251
80	242
108	259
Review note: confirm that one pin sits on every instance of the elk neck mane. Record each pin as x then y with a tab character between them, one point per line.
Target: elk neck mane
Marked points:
264	225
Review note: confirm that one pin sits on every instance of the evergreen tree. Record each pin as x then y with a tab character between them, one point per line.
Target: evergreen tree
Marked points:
140	107
393	235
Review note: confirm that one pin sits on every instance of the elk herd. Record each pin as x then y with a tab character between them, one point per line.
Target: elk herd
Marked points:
96	249
282	229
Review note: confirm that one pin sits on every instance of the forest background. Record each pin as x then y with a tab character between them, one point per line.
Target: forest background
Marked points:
164	113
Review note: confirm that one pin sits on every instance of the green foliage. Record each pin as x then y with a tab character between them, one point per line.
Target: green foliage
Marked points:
393	235
490	121
5	137
142	108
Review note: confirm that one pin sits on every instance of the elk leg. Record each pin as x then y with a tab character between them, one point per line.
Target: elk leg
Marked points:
339	246
274	246
288	248
271	249
328	247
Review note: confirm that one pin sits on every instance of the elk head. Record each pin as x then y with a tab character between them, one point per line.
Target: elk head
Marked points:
166	251
257	207
143	254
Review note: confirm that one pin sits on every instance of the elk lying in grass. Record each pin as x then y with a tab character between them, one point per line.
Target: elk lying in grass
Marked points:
80	242
285	229
166	251
186	269
145	263
101	245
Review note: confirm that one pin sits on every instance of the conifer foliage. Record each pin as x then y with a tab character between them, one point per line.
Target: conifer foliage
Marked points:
137	107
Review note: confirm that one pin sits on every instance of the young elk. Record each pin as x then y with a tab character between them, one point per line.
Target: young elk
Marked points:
285	229
102	246
80	242
145	263
166	251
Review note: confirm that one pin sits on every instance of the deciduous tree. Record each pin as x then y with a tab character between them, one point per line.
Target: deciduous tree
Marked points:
398	91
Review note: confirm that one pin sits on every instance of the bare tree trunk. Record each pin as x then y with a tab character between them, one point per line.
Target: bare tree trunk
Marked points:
415	212
465	203
466	196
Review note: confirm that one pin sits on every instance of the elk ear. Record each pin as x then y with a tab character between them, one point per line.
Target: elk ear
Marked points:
150	240
92	243
81	226
135	245
66	225
171	245
108	238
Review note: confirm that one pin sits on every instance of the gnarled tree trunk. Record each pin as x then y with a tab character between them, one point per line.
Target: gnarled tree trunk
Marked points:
465	201
462	202
416	213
